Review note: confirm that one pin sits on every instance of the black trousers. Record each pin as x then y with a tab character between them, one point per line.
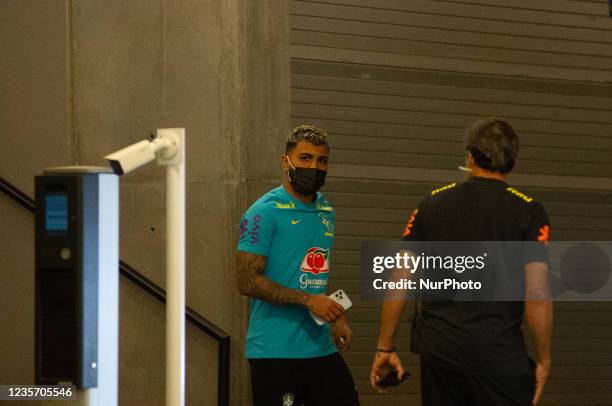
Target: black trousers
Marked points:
445	387
321	381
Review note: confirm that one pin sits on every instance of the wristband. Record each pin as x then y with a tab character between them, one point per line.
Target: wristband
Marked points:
386	350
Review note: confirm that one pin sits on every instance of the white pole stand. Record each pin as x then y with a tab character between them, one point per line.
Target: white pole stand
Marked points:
174	158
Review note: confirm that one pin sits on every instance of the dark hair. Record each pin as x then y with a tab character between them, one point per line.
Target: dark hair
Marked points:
494	145
306	132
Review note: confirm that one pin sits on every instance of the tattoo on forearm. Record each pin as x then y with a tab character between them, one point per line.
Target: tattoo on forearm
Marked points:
252	282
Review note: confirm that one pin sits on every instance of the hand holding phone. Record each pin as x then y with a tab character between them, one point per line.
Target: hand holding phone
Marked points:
339	297
391	379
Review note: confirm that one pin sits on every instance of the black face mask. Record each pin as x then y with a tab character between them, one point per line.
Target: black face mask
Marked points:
306	181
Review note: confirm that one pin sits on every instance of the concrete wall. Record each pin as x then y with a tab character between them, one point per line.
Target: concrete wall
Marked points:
86	78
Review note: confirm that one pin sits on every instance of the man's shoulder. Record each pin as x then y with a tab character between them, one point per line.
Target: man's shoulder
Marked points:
274	199
323	204
520	196
511	192
439	191
527	206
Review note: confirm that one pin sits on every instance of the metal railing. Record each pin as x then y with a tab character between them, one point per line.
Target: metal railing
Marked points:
222	338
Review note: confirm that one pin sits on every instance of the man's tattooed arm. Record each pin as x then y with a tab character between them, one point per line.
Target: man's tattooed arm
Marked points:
252	282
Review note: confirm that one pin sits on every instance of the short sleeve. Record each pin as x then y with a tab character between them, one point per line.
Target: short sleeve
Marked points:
413	230
257	227
537	236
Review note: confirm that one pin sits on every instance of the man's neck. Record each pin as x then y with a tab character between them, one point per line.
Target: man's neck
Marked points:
481	173
292	192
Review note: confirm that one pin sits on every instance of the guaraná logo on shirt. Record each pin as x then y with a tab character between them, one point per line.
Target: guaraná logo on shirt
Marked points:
316	261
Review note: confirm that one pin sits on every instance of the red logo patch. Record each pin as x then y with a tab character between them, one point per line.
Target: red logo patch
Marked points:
544	236
316	261
408	228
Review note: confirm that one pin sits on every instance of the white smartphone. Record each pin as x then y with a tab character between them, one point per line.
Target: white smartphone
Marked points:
339	297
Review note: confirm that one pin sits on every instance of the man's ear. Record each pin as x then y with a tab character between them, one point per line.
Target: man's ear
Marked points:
469	160
284	162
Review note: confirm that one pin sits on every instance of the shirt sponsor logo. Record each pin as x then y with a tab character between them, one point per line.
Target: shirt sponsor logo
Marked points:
329	225
288	399
251	235
280	205
544	236
410	224
443	188
520	194
316	261
244	226
314	283
324	207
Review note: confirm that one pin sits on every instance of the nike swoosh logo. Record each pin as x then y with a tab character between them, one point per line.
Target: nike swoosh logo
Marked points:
294	222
